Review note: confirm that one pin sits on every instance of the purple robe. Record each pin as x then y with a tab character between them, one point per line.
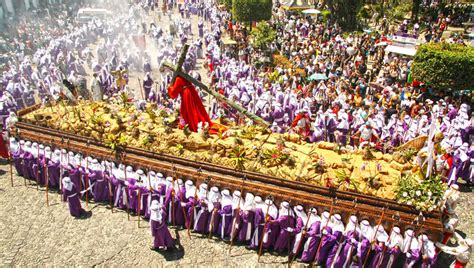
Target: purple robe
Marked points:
246	225
312	243
100	190
347	250
259	219
225	224
72	198
54	174
327	243
160	233
214	219
332	253
202	217
284	239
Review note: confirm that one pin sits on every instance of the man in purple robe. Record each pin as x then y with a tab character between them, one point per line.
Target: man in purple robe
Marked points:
247	213
272	227
394	244
225	214
100	188
237	204
71	195
147	85
188	202
201	210
313	236
411	249
53	167
214	205
259	218
286	224
348	246
176	195
337	231
159	229
381	238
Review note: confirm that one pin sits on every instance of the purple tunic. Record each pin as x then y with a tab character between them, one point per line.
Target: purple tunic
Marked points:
311	245
72	198
348	249
160	233
225	224
284	238
259	219
53	174
214	219
246	225
100	190
202	217
332	253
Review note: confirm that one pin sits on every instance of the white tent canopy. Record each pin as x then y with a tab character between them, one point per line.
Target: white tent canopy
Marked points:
410	51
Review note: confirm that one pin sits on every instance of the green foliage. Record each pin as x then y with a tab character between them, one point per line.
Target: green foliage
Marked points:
424	194
263	35
444	66
345	13
252	10
226	3
325	14
399	11
238	157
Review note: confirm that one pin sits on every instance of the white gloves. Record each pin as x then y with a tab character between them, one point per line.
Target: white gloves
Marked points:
183	204
325	232
353	241
408	255
289	229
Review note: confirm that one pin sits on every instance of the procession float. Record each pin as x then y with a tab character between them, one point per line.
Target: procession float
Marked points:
390	189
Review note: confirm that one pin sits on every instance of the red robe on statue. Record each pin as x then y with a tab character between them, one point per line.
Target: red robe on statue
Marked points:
192	110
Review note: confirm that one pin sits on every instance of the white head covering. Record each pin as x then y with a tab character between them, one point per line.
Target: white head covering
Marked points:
226	198
313	216
202	194
381	235
351	225
410	242
249	204
300	213
237	199
213	196
395	239
67	183
285	210
336	223
190	188
366	230
272	209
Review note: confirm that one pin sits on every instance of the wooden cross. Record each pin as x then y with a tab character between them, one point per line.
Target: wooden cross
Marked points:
178	71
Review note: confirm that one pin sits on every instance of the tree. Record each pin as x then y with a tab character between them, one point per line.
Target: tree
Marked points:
444	66
252	10
263	36
345	12
226	3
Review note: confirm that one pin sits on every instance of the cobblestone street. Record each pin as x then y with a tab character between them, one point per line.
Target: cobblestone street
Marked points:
33	233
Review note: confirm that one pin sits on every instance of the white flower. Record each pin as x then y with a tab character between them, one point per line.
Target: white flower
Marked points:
405	194
409	203
418	193
429	193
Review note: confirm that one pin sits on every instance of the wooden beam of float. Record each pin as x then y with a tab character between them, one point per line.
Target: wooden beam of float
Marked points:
307	194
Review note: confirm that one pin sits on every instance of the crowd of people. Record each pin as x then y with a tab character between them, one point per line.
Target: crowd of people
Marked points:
338	87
